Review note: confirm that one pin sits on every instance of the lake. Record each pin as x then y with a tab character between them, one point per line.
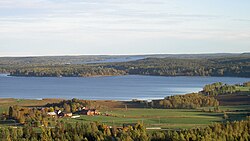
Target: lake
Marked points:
115	60
105	88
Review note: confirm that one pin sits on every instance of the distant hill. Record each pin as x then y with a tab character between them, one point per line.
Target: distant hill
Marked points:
51	60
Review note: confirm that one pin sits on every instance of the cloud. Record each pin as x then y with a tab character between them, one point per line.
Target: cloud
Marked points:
94	21
241	20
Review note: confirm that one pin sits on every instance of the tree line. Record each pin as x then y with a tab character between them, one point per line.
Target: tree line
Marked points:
219	88
30	116
229	131
66	71
188	67
237	130
37	116
70	105
187	101
236	66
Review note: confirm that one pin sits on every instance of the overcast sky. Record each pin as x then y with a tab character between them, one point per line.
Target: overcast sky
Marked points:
73	27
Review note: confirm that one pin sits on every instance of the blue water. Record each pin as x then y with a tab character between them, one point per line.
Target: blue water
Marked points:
105	88
113	60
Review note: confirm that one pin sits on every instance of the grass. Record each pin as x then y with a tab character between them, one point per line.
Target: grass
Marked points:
3	109
234	108
6	102
243	89
230	108
26	102
165	118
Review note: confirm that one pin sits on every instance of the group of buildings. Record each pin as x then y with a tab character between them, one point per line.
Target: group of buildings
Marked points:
84	111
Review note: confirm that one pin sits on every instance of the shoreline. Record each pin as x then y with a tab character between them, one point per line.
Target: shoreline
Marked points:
99	76
117	100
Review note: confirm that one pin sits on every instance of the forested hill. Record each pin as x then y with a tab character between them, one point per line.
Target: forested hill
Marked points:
238	66
82	59
235	66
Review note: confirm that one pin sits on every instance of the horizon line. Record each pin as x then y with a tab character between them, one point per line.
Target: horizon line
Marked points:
142	54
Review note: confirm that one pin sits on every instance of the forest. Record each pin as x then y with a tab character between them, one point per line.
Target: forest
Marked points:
219	88
70	105
208	97
37	116
226	66
187	101
67	71
29	116
238	130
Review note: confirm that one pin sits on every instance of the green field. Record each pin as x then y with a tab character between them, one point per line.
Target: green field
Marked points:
230	108
243	89
164	118
3	109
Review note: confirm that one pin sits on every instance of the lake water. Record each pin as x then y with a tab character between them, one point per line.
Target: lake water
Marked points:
105	88
114	60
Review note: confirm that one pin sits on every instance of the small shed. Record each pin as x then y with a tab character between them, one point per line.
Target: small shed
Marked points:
51	114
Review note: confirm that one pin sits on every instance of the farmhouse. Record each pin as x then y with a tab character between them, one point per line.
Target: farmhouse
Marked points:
59	113
90	112
67	114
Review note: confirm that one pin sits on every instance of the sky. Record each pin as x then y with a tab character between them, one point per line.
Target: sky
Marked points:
78	27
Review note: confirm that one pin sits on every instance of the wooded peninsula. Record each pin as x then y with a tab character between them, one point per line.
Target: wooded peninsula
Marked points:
231	66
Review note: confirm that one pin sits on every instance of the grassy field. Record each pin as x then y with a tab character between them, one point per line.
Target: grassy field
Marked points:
26	102
230	108
164	118
243	89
